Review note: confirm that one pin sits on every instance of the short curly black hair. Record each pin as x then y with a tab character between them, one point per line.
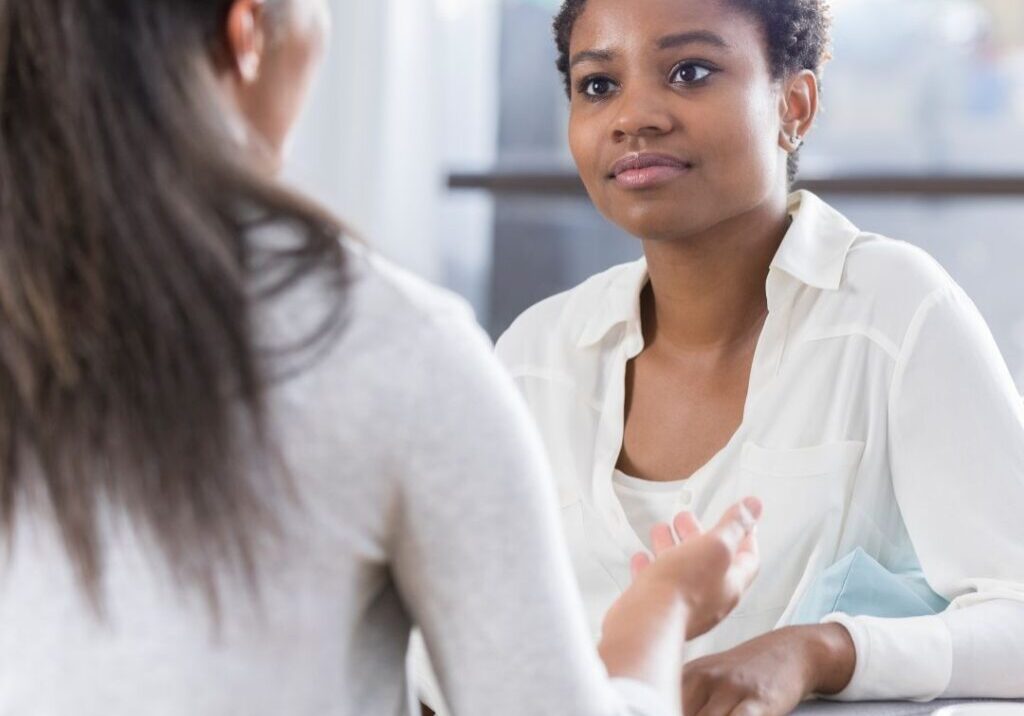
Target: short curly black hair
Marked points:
797	32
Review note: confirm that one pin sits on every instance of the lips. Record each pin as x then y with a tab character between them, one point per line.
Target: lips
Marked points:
640	171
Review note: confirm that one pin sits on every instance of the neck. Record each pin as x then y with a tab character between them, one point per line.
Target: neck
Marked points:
707	290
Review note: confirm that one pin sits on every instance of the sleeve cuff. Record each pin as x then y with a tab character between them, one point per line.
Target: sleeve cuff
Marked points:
640	699
897	659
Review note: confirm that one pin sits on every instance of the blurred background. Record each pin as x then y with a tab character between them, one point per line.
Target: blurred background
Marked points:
438	132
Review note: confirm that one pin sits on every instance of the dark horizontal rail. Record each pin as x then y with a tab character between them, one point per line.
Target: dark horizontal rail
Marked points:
960	185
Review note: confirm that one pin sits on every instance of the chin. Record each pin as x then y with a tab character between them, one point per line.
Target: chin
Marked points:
662	223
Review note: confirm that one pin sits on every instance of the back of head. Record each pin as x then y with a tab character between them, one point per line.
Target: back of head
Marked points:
128	370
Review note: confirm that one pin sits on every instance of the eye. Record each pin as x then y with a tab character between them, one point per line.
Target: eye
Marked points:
690	73
596	86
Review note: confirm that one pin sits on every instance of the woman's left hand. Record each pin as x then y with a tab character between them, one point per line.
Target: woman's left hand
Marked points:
770	675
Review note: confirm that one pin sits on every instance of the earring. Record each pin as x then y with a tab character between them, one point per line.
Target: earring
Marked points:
249	66
796	141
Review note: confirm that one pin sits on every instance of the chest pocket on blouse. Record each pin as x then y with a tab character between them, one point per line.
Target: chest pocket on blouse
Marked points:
805	491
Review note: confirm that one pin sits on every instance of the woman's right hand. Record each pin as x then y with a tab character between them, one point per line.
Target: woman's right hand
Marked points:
710	570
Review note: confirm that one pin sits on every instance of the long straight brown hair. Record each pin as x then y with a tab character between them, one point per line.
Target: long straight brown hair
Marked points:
129	372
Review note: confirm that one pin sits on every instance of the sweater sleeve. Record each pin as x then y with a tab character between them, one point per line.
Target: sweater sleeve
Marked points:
477	554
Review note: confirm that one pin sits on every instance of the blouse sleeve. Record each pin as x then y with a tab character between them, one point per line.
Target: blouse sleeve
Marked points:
956	440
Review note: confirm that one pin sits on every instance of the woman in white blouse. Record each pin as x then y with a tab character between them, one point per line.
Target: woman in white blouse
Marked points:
240	458
766	345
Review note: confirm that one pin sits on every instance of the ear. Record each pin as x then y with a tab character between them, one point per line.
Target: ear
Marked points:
245	38
798	107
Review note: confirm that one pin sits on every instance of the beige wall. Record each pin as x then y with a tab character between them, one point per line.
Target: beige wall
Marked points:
1008	16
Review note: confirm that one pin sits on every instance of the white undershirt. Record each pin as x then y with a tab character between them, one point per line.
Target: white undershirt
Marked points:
646	503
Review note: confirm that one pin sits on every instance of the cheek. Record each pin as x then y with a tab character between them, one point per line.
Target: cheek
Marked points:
309	30
308	15
744	148
320	25
288	70
584	145
307	42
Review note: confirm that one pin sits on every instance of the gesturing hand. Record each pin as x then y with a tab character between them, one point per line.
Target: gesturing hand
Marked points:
710	570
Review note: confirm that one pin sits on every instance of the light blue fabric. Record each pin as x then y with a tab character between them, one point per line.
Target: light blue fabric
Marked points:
859	586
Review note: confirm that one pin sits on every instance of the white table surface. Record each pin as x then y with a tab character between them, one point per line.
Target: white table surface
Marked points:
884	708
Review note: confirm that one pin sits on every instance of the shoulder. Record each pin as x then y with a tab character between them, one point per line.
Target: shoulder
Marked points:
401	298
418	325
887	284
853	280
372	307
441	367
900	272
559	323
393	329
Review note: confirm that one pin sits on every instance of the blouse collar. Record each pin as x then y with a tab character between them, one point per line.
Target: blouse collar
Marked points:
813	252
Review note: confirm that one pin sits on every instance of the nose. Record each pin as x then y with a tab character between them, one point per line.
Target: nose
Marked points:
641	113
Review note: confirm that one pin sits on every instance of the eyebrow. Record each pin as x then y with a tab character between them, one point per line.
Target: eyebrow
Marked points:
591	56
703	37
695	37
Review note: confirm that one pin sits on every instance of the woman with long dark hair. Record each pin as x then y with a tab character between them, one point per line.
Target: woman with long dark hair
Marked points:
239	456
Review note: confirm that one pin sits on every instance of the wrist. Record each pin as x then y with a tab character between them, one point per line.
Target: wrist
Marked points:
831	652
664	591
649	597
643	636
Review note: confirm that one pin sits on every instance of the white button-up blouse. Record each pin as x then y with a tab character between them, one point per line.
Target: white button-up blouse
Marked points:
879	415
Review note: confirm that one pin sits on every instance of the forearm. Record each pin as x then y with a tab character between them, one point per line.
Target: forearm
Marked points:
643	639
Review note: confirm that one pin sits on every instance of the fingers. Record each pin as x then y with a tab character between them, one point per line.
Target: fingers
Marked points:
686	526
638	563
747	562
753	509
696	690
738	522
720	703
750	707
662	538
734	530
